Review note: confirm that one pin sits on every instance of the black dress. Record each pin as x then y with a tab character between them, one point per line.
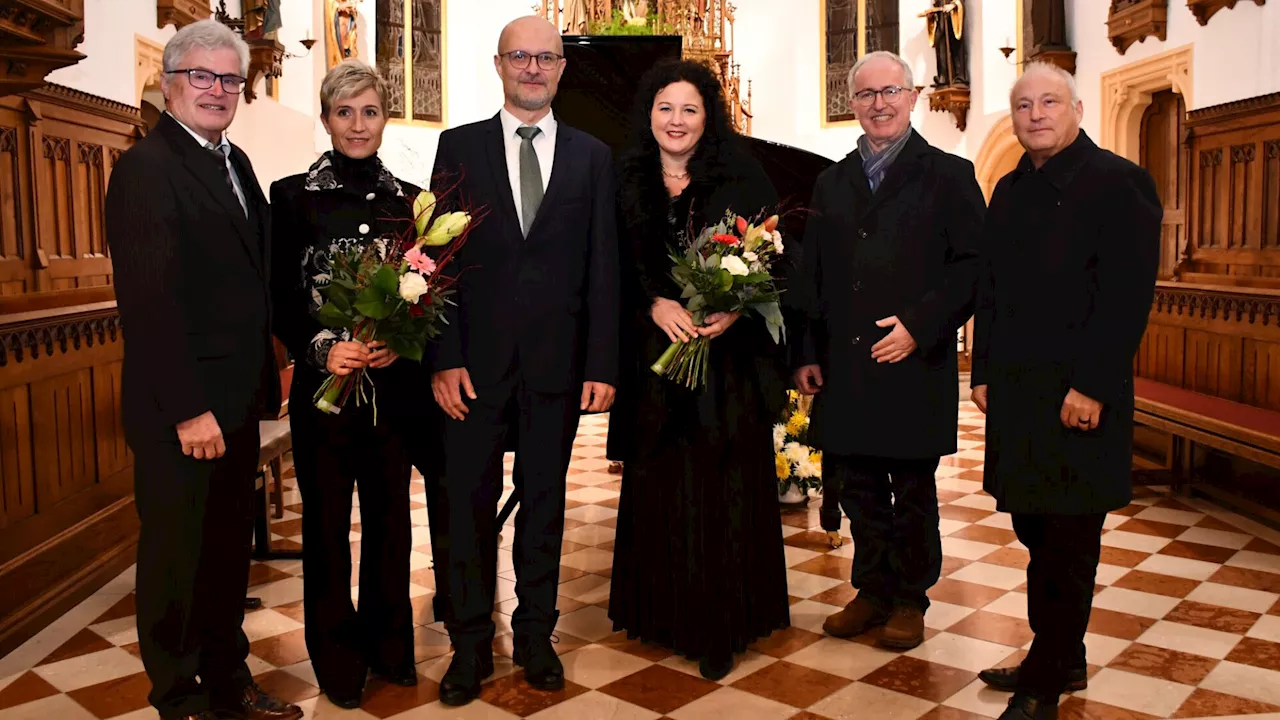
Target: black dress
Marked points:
698	559
342	202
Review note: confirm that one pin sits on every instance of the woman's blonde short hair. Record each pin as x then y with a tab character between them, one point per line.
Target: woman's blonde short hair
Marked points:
348	79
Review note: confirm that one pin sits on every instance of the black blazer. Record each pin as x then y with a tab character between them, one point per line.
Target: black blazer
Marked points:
191	283
910	249
550	299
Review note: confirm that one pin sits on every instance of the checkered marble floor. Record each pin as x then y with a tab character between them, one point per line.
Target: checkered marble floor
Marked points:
1186	624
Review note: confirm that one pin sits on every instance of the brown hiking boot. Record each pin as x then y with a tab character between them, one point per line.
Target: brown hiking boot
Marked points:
856	618
904	630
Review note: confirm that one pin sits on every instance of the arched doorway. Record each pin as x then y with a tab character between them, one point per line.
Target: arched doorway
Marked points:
998	156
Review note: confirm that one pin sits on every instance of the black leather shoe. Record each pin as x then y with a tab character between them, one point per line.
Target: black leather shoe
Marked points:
461	684
258	705
344	701
1006	679
542	668
406	676
715	667
1026	707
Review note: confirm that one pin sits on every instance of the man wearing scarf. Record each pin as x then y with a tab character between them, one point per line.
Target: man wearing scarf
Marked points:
889	270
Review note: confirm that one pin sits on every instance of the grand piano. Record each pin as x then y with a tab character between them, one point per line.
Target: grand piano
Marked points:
595	96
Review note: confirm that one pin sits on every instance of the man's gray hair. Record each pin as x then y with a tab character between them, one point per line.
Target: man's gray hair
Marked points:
206	35
907	78
348	79
1039	67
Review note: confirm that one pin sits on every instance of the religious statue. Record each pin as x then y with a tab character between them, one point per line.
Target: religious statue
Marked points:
635	12
946	34
1048	25
340	31
577	17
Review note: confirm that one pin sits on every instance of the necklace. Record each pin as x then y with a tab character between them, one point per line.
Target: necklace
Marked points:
675	176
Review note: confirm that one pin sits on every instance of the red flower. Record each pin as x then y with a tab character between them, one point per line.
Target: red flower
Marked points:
416	309
742	225
725	239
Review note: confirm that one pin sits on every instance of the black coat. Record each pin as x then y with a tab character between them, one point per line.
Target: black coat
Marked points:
191	281
551	299
909	249
308	215
1071	253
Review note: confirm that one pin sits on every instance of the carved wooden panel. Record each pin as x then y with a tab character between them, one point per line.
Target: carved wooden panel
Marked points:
1160	357
113	452
1269	210
62	423
13	240
17	479
1213	364
1160	151
1260	383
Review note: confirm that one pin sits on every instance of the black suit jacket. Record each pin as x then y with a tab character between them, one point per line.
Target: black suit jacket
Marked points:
909	249
191	282
548	302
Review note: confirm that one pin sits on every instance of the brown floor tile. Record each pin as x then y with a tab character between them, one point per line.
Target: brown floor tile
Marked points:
288	545
568	547
1196	551
261	574
970	475
812	540
611	503
952	564
943	712
1118	625
1213	617
114	697
953	461
995	628
839	595
920	678
294	610
281	650
1208	522
417	488
1129	510
425	577
792	600
798	519
950	496
785	642
1008	557
1275	609
513	694
571	504
1245	578
1075	708
415	505
1121	557
830	566
1207	703
134	649
1156	584
958	592
82	643
984	534
963	514
794	685
1164	664
287	528
804	715
1262	546
653	653
1258	653
383	699
660	689
610	523
128	605
1147	527
570	487
29	687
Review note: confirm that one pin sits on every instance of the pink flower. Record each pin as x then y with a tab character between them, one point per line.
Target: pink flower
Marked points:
419	261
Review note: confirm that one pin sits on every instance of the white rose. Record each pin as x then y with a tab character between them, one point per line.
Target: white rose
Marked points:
734	265
750	256
412	286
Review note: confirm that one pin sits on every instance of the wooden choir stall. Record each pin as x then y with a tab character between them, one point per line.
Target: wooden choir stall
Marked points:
1208	387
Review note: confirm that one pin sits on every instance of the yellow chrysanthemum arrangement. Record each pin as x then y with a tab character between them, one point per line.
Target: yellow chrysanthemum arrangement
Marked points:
795	463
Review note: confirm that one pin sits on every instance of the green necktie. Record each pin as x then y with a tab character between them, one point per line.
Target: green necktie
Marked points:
530	177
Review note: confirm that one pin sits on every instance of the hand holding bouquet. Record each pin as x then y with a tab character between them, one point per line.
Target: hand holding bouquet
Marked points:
392	291
726	268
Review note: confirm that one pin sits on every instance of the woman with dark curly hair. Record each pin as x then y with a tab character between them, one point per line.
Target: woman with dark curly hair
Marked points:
698	562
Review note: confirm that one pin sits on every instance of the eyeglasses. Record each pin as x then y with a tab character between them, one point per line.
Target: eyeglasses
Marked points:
519	59
203	80
868	97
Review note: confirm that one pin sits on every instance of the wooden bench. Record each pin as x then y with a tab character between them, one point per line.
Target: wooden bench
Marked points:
276	440
1193	418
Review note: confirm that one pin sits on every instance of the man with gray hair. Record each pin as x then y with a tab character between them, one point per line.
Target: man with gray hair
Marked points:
185	220
1071	250
889	264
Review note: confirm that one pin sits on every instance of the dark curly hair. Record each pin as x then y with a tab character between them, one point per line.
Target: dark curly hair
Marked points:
640	165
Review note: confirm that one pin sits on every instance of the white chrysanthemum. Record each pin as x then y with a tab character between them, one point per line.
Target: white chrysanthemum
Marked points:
779	436
797	452
807	469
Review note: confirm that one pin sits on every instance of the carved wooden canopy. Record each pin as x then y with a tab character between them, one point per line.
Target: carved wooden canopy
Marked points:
36	38
1132	21
1205	9
180	13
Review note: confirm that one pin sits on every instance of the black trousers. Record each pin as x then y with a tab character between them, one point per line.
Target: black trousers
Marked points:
427	453
1064	563
893	514
331	454
545	427
193	570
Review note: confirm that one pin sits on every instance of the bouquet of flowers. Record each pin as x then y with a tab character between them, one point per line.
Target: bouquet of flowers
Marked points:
796	463
724	268
391	290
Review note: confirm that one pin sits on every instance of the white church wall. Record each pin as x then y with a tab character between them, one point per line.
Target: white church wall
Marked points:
276	135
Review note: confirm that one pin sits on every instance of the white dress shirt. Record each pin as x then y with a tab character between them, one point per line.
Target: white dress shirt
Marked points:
225	146
544	146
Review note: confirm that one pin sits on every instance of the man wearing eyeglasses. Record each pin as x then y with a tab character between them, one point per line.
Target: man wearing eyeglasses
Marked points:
889	270
534	337
185	220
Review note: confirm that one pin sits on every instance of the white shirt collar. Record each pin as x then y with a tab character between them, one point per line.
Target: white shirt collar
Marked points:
510	123
204	143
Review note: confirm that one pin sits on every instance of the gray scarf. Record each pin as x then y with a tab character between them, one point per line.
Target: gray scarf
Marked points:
876	164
